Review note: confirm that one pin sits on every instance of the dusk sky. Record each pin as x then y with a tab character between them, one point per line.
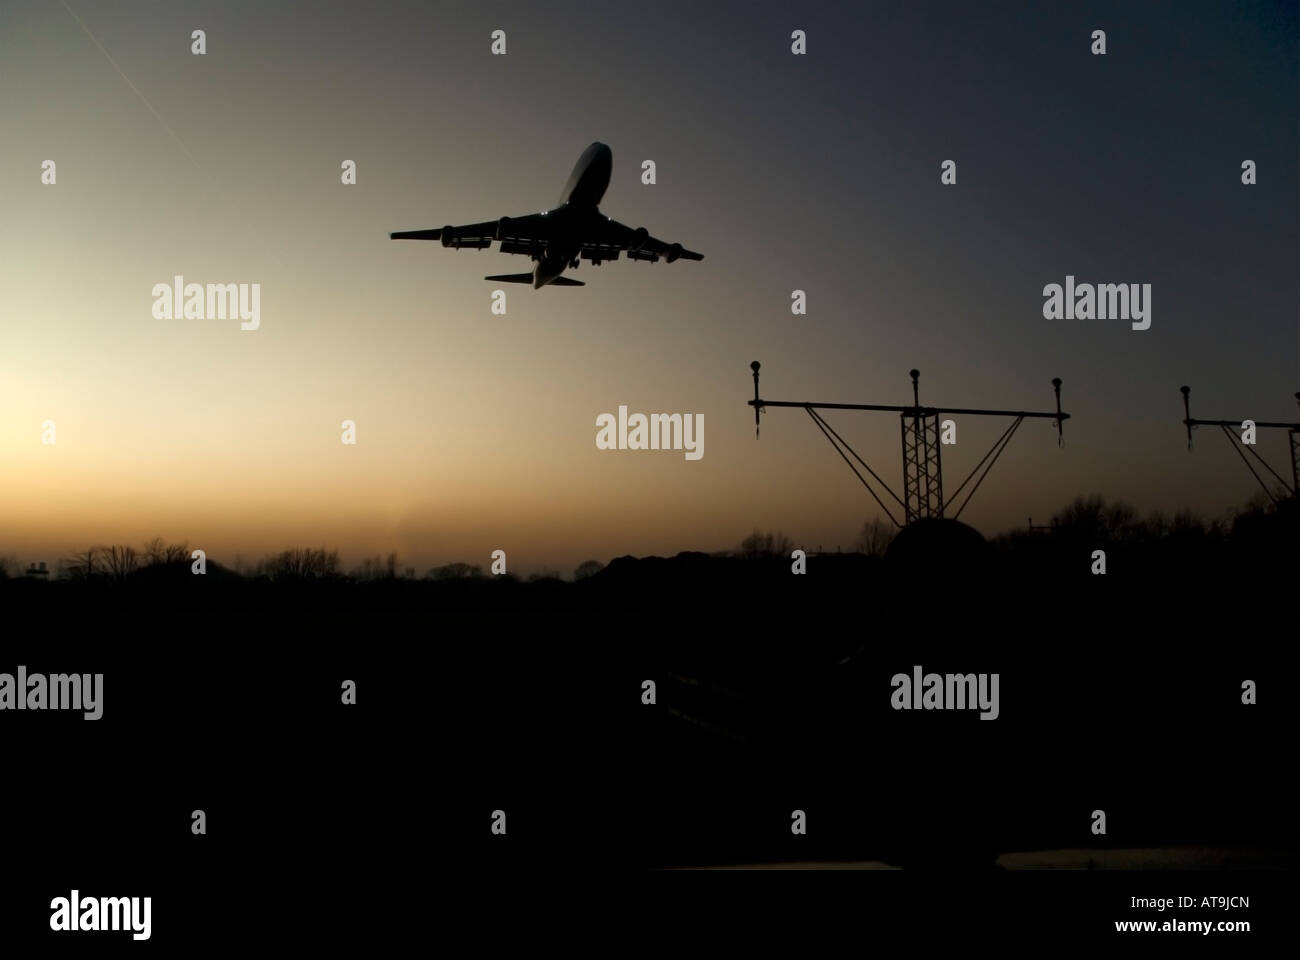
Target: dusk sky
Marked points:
818	172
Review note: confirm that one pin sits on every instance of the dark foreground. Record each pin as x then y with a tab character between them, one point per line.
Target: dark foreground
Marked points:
1120	693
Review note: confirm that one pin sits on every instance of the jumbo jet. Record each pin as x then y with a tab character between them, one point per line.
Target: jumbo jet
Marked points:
559	239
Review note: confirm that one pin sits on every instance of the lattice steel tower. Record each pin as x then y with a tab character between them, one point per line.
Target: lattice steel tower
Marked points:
921	430
922	470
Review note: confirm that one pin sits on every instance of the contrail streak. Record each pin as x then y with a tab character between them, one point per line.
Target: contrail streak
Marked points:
157	116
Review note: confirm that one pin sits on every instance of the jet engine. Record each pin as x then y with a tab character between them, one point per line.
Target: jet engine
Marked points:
673	253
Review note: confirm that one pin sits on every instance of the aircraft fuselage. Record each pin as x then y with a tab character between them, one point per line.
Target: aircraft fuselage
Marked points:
579	207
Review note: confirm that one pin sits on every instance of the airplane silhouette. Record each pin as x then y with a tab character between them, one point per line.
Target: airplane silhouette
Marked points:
561	238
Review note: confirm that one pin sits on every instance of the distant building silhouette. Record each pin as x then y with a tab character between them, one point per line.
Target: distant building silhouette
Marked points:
38	572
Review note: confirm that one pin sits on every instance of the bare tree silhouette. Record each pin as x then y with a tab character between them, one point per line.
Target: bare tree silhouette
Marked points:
108	562
79	566
301	564
158	551
875	537
769	544
118	562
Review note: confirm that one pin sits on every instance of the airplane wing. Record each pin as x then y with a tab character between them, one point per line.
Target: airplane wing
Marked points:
530	234
527	234
613	237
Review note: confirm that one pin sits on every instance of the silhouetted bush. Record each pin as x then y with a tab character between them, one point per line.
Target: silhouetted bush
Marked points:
588	568
455	571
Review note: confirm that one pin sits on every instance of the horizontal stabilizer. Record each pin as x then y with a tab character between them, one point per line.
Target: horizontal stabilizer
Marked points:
416	235
528	278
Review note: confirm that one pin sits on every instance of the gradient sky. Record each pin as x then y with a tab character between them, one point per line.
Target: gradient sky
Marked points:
821	172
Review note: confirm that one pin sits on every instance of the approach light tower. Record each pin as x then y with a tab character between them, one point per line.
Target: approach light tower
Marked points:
1227	426
920	427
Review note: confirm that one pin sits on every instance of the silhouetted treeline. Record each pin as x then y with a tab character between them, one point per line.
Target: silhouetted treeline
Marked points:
1263	537
765	544
766	679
